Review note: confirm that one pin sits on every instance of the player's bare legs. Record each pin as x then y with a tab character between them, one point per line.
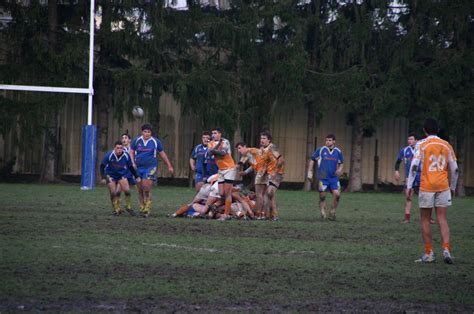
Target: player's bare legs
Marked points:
441	213
115	197
273	203
408	203
260	199
336	195
146	186
225	190
425	215
322	204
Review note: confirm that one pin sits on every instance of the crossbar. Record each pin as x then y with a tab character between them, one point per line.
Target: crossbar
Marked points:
48	89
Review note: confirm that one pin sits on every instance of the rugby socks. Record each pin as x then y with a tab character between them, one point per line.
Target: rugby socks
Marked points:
428	248
407	217
446	246
228	203
183	209
128	201
147	208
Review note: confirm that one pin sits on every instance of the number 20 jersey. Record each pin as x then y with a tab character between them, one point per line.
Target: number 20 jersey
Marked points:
434	155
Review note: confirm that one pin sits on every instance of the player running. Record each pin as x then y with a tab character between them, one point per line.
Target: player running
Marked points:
406	155
143	153
114	168
275	170
197	162
220	148
434	156
330	165
254	156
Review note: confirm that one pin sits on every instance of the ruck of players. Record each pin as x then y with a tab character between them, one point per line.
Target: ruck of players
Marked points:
430	167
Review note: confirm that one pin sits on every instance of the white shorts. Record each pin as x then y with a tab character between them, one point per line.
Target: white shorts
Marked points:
434	199
204	191
227	175
275	180
214	191
261	178
237	209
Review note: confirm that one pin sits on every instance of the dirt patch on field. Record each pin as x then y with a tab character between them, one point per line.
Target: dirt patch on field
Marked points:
150	304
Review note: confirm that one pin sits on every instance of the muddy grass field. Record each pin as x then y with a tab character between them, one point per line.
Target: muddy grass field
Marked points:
61	250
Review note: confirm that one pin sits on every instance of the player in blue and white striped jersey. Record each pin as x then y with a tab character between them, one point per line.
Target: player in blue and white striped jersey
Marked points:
114	169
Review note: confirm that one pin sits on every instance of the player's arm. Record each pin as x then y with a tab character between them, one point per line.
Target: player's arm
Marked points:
310	170
397	165
340	168
192	164
453	170
415	163
132	157
167	161
218	150
133	171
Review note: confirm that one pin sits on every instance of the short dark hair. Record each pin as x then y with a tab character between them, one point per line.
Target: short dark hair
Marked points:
331	136
118	143
217	129
240	144
206	133
431	126
411	135
147	126
126	134
266	134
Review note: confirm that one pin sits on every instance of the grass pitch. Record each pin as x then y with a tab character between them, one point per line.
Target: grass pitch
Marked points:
60	249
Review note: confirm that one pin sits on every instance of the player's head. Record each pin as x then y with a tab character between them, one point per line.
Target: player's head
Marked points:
216	134
118	148
431	126
252	194
265	138
126	139
241	147
205	137
146	130
411	139
330	140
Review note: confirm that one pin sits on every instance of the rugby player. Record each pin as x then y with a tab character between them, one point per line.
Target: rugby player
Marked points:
143	152
114	168
330	165
254	156
435	157
274	168
197	162
220	148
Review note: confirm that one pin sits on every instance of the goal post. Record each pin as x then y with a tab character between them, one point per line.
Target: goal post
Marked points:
89	131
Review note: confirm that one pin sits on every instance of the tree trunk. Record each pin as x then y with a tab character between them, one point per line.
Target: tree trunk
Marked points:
355	174
50	148
50	143
309	142
102	104
460	191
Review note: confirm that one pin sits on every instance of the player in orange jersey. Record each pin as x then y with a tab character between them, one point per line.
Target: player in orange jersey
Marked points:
435	157
275	170
220	148
254	156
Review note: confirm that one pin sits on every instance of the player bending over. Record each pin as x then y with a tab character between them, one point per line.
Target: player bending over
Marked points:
435	157
143	152
114	169
330	165
254	156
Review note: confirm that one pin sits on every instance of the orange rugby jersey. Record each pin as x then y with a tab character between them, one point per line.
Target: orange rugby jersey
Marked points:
255	158
271	156
223	162
434	155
